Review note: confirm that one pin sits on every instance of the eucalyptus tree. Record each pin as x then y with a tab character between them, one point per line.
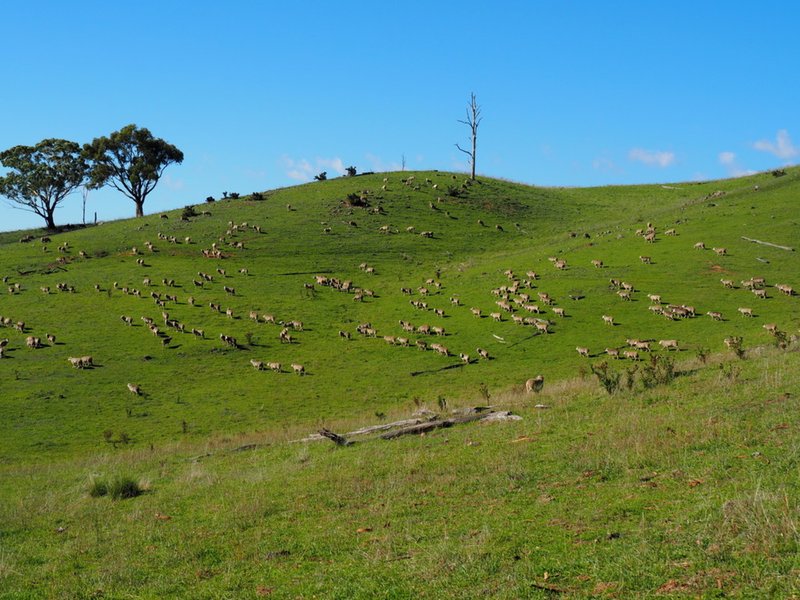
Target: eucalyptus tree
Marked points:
40	177
130	160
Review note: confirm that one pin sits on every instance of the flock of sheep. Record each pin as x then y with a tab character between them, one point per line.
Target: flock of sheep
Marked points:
515	300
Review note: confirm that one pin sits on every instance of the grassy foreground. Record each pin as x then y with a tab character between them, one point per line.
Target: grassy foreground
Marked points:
683	488
689	491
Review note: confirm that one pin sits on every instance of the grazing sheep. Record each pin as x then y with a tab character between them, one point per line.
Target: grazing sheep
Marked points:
631	354
475	311
33	342
760	293
198	332
582	351
344	334
134	389
786	289
559	312
670	232
482	353
274	366
598	264
612	352
51	338
257	364
726	283
624	294
75	362
608	319
87	361
654	298
668	344
717	316
127	320
745	312
542	326
299	369
700	246
464	358
534	385
421	344
720	251
771	328
646	260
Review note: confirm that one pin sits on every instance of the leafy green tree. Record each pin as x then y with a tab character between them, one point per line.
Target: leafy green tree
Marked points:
40	177
130	160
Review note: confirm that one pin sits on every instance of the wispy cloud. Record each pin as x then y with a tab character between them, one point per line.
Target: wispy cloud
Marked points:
604	163
376	163
656	158
303	170
731	163
782	147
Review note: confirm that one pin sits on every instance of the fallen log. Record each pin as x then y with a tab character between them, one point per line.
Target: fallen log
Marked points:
443	423
335	437
768	244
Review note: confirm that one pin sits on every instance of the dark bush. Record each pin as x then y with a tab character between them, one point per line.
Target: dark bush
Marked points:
210	199
257	196
124	487
188	213
351	171
322	176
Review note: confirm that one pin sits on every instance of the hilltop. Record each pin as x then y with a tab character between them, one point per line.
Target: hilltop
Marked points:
325	229
420	251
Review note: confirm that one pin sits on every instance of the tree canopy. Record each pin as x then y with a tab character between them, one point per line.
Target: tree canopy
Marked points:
132	161
42	176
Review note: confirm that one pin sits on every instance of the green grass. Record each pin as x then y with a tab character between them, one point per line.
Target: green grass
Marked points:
686	488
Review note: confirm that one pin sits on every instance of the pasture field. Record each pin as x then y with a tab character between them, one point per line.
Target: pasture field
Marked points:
685	487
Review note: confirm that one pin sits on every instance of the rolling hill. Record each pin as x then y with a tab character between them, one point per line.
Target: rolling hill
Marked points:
399	255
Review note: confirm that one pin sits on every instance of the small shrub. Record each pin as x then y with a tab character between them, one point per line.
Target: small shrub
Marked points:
233	195
322	176
484	391
453	191
257	196
608	378
630	376
124	487
702	355
735	343
351	171
98	488
659	371
210	199
188	213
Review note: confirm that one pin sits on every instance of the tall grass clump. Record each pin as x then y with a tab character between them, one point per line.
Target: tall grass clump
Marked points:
120	488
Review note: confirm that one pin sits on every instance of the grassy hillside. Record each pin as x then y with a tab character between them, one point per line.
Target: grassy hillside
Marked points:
674	477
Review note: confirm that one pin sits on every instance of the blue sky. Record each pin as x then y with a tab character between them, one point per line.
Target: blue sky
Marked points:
261	95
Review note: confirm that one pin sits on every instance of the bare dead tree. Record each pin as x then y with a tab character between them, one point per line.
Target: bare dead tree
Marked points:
472	121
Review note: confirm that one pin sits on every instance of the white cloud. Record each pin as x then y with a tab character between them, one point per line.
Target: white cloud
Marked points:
332	163
652	157
302	169
377	164
728	159
782	147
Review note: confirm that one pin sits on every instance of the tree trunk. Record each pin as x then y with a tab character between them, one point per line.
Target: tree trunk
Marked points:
474	146
51	224
139	207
